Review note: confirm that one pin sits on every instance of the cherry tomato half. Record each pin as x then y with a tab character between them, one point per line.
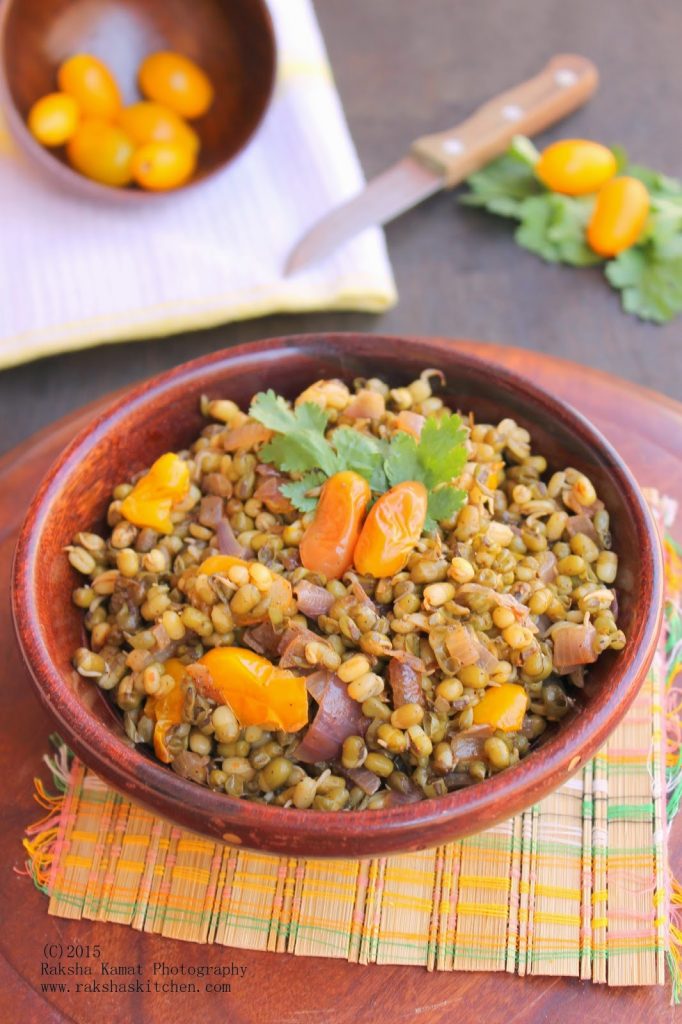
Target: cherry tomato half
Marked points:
393	526
177	82
53	119
575	166
101	151
327	545
91	84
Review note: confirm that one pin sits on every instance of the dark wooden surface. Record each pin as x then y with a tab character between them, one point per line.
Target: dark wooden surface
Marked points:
405	68
277	988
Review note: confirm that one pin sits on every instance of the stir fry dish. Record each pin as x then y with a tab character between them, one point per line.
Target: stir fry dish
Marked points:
355	600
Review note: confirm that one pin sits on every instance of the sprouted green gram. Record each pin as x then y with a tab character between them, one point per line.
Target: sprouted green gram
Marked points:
420	683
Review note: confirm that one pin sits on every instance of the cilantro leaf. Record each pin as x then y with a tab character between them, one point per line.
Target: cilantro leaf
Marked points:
272	411
443	504
299	443
442	450
650	279
362	453
504	184
296	490
438	458
402	462
553	227
299	451
310	416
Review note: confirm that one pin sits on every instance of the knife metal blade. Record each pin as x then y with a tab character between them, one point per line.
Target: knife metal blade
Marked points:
444	159
396	190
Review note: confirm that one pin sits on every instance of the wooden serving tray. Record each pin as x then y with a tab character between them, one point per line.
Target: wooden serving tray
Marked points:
281	989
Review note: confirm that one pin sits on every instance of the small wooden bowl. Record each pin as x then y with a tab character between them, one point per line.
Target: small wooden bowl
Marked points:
163	414
232	40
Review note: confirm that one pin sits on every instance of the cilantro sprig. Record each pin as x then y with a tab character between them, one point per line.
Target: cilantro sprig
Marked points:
303	446
648	275
435	460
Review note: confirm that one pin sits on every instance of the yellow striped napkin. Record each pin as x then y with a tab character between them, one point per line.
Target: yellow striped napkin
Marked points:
576	886
75	272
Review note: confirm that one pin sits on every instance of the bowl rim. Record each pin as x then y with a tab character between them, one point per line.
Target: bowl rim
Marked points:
85	188
494	800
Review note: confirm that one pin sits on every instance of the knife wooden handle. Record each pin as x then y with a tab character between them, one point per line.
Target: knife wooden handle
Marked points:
562	86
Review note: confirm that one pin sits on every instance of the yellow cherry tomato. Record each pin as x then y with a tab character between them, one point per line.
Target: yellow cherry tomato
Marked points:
158	166
393	526
101	151
177	82
53	119
328	544
166	711
258	692
575	166
151	499
91	84
502	707
619	216
152	122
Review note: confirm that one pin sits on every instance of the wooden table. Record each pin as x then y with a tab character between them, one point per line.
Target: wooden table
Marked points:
281	989
404	68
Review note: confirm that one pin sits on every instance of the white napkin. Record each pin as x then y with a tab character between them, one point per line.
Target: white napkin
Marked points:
75	272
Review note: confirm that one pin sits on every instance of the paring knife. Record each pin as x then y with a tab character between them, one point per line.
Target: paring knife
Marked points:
446	158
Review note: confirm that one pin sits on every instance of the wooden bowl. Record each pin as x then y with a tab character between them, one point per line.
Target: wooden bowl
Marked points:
232	40
163	414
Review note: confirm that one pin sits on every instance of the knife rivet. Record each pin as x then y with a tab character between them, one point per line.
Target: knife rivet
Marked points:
512	112
565	77
453	146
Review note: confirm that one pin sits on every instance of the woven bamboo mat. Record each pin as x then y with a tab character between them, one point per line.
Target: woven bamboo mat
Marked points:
576	886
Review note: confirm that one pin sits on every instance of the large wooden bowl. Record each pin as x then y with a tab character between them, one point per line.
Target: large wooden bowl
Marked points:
163	414
232	40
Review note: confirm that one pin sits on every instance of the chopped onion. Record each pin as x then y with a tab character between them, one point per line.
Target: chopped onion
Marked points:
486	659
269	493
247	436
574	645
366	405
203	680
461	645
547	566
191	766
263	639
570	500
312	600
363	778
396	798
359	592
228	543
292	646
468	745
405	683
408	658
337	717
582	524
410	422
210	510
